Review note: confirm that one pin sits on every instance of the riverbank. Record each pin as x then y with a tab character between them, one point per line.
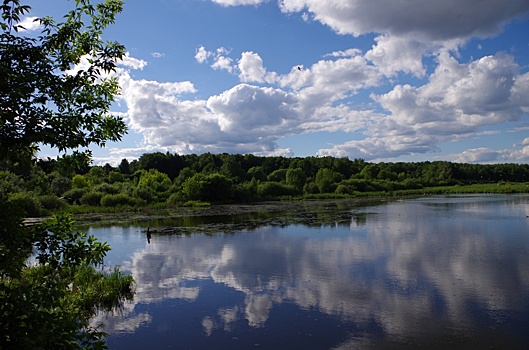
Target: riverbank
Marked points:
96	215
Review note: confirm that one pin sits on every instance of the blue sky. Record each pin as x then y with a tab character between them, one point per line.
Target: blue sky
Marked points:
381	80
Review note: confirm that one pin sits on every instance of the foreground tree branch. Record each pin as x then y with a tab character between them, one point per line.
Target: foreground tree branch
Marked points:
46	301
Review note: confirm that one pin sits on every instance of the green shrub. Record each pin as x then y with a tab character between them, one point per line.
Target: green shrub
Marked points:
145	193
327	180
246	192
124	187
74	195
175	198
60	185
184	174
296	177
10	183
114	200
106	188
159	182
162	196
115	176
278	175
359	185
257	173
40	309
79	181
310	188
52	203
345	189
411	184
208	188
92	198
275	189
27	203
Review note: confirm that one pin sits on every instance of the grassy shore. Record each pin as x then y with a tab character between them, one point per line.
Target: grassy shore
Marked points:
498	188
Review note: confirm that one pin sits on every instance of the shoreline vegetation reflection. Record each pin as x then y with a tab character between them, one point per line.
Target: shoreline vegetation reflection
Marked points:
438	272
234	217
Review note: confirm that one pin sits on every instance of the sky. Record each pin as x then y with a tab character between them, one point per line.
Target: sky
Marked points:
380	80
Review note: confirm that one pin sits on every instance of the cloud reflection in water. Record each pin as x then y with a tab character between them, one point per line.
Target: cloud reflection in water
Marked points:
420	268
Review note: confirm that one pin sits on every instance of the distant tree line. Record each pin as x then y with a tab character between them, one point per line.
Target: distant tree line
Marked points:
172	179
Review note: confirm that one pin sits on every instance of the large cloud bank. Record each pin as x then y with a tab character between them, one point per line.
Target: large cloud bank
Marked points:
455	100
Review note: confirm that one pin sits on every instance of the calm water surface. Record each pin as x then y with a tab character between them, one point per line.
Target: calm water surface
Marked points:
440	272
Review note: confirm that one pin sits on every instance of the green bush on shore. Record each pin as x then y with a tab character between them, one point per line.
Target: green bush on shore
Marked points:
115	200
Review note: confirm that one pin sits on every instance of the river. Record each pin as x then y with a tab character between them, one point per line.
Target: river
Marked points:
436	272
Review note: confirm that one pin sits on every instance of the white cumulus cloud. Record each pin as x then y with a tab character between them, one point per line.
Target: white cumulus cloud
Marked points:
470	95
202	54
249	111
251	68
409	29
457	102
394	54
429	19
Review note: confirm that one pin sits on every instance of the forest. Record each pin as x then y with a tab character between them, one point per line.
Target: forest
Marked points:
69	182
